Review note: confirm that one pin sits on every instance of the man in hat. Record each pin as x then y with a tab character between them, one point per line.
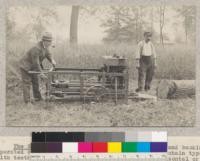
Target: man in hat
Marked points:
145	62
32	61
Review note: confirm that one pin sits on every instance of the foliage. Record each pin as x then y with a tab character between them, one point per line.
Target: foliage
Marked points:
41	18
125	24
189	21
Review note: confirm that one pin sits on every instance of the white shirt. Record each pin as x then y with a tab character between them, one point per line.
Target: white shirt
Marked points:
145	49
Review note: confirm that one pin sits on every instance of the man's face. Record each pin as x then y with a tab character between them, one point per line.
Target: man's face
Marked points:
147	38
47	43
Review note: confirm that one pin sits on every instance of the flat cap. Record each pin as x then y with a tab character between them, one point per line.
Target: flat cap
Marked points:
147	33
47	36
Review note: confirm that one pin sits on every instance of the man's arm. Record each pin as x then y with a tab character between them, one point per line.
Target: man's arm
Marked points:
154	54
35	59
138	54
50	58
36	62
138	51
154	51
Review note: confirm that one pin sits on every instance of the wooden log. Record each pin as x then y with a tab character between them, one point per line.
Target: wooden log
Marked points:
167	89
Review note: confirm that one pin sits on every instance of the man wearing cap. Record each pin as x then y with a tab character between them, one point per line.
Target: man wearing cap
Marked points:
32	61
145	62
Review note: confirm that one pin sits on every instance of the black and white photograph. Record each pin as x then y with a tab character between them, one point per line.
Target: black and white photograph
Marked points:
101	66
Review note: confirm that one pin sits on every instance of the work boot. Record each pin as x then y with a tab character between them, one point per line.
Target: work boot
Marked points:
29	104
38	99
138	90
147	88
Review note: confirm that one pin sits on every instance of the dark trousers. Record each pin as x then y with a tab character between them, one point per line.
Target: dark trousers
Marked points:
27	81
145	72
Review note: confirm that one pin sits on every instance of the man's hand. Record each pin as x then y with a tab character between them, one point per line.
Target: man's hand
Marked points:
53	63
155	63
138	63
51	69
43	76
155	66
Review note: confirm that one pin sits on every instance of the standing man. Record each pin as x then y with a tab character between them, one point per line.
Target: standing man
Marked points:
32	61
145	62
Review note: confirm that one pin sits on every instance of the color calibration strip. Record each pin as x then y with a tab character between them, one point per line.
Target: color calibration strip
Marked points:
99	147
99	142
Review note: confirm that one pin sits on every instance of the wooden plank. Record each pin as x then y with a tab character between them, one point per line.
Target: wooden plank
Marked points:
67	93
66	90
142	97
78	72
76	69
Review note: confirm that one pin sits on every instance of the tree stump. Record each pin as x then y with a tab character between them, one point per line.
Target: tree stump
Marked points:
168	89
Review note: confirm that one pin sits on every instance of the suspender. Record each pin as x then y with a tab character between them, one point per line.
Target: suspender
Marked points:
143	47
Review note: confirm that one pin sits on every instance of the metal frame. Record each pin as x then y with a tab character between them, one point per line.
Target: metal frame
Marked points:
83	85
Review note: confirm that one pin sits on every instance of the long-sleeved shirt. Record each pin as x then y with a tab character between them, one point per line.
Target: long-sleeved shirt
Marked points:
32	60
145	49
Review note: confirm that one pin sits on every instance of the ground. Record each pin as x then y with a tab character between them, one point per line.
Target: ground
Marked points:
175	112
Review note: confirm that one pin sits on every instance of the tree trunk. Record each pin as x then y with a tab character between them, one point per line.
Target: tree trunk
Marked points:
141	23
162	40
136	25
162	22
186	30
152	20
74	25
160	10
117	36
168	89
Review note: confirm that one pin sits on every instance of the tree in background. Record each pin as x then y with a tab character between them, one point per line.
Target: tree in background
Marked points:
114	25
120	23
124	24
10	26
152	18
41	20
188	13
162	22
74	25
11	33
127	24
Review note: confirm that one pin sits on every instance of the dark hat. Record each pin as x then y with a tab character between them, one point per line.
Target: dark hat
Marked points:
147	33
47	36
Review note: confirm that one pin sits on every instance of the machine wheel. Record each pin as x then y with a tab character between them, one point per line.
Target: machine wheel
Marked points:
97	94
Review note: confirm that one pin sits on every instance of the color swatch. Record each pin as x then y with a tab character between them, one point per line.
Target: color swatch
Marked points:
129	147
85	147
114	147
70	147
143	147
100	147
99	142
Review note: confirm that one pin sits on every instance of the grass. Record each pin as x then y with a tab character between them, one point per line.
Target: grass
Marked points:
174	62
179	112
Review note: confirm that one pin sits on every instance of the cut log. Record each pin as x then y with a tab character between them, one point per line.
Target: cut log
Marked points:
168	89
